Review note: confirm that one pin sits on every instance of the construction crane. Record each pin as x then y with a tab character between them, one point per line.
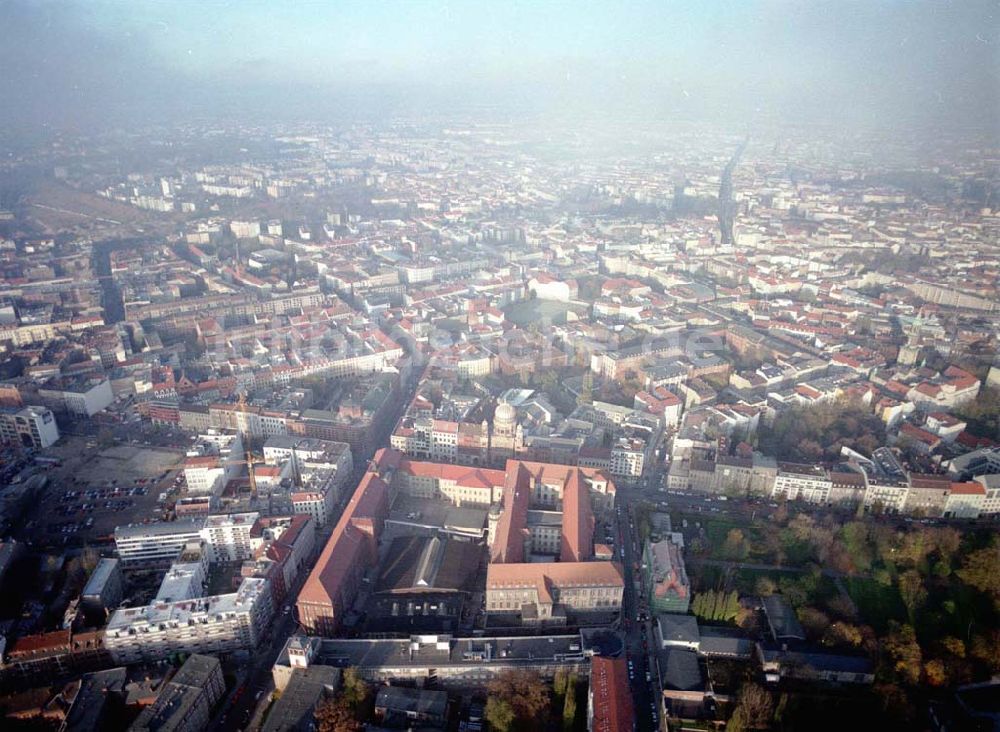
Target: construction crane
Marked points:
242	404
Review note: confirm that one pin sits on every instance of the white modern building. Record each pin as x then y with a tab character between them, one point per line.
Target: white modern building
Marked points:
183	581
965	500
31	427
156	545
216	624
245	229
314	504
215	459
83	396
888	496
546	287
628	458
105	587
991	501
228	538
302	451
802	482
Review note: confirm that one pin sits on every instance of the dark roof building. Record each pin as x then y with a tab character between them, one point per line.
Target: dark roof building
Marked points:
811	663
678	630
403	705
293	711
781	620
724	643
99	703
186	701
974	706
682	672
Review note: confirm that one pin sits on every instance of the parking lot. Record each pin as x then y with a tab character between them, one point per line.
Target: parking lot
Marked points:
93	490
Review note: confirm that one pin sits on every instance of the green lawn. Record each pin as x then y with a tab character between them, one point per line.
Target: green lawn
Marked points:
717	528
877	603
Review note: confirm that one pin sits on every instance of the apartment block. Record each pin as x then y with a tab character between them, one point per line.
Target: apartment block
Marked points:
216	624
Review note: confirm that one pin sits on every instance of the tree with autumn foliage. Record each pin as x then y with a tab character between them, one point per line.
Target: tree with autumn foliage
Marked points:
903	652
336	715
754	709
518	700
981	570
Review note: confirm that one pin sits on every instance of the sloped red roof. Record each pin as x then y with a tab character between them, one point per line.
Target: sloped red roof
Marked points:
612	698
577	543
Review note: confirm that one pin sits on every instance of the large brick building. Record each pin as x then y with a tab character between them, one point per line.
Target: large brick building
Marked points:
539	512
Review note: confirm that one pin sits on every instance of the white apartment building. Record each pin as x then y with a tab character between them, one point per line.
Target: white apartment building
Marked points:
31	427
929	397
296	533
228	538
890	497
473	363
416	273
611	415
216	624
617	310
802	482
214	460
444	440
354	364
991	501
272	423
428	438
628	458
148	546
204	475
83	397
313	504
965	500
545	287
183	581
305	453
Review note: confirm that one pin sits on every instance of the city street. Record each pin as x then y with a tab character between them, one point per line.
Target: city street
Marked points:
256	684
638	635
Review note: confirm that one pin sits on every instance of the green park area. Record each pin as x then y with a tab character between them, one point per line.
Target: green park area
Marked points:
922	601
877	603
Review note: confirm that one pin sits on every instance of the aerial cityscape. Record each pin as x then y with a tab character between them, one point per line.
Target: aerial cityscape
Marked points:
408	382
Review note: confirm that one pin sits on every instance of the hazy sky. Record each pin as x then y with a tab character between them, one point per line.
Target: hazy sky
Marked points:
872	60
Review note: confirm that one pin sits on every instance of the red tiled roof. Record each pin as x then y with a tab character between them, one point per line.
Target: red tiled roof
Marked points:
508	545
612	698
40	644
967	439
970	488
350	549
921	435
460	474
291	535
208	461
544	575
577	542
